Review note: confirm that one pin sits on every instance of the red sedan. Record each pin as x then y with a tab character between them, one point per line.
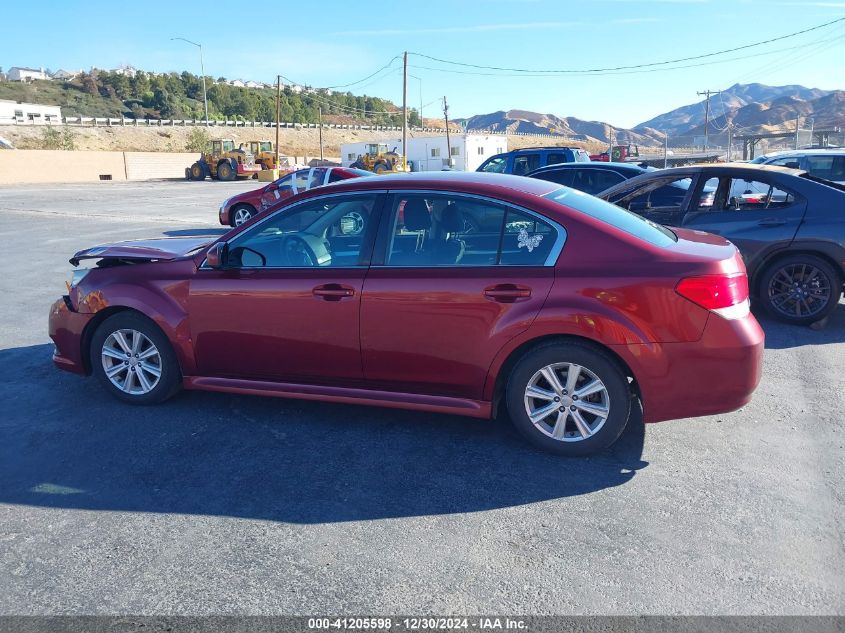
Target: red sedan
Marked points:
238	209
563	312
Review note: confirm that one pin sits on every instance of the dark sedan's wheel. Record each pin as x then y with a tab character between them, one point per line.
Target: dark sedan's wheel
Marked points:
225	171
134	360
240	214
197	172
800	289
568	399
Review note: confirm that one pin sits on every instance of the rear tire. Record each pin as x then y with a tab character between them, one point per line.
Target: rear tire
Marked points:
225	171
800	289
134	360
568	398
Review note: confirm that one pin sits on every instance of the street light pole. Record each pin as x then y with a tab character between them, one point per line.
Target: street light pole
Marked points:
202	70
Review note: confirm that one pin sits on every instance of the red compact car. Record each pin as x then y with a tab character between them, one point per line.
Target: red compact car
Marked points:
238	209
563	310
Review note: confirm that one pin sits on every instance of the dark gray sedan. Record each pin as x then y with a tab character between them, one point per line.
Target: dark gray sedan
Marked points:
788	225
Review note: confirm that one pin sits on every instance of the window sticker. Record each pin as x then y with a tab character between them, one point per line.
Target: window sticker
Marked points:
528	241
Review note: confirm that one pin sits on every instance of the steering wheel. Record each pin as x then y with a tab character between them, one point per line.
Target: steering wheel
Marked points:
306	251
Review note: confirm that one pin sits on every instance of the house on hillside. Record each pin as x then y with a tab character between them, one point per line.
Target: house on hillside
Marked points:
253	84
66	75
237	83
16	112
21	73
127	71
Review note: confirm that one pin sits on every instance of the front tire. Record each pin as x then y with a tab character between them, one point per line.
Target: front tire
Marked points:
568	398
197	172
225	171
241	214
800	289
133	359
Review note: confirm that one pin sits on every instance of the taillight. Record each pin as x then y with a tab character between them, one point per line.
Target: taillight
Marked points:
726	295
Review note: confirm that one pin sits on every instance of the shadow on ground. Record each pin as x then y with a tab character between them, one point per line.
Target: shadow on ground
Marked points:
780	335
65	443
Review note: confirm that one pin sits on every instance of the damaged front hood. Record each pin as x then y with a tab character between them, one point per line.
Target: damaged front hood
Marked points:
164	248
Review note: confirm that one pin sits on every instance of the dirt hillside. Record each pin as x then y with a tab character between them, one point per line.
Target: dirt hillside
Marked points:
294	142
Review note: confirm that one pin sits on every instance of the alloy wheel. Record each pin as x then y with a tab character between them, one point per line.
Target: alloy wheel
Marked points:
567	402
799	290
241	216
131	362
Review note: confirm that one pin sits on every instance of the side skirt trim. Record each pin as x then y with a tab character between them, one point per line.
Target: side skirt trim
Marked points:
344	395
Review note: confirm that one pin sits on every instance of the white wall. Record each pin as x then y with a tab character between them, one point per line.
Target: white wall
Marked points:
29	113
465	150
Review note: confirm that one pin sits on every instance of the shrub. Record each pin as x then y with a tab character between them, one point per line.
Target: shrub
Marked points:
198	140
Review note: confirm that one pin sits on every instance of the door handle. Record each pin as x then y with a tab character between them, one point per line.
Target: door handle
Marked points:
771	222
333	292
507	293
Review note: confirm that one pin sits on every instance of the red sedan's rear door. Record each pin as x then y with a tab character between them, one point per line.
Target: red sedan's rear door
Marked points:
454	278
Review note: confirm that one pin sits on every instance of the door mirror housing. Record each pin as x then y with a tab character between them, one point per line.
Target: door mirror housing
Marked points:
217	255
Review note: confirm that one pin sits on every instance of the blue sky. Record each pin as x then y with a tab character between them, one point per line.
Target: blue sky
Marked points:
334	42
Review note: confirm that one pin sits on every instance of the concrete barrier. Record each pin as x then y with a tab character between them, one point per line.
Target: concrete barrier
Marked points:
36	165
151	165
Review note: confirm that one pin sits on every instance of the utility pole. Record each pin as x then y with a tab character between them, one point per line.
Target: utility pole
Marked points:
202	70
796	131
405	113
665	150
730	140
321	133
448	141
278	117
707	93
610	147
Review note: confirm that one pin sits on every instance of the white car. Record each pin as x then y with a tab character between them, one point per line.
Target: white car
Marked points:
821	163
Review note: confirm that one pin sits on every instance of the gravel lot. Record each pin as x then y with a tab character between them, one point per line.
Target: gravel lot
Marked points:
242	505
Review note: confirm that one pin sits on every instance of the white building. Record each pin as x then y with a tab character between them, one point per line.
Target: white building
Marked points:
429	153
126	71
63	74
28	113
237	83
20	73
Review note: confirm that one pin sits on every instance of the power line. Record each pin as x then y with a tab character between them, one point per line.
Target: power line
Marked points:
634	66
631	72
387	65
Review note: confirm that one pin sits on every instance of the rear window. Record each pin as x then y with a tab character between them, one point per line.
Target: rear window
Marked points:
615	216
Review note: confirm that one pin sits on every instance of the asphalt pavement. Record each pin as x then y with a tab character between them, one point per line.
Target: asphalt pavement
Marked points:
223	504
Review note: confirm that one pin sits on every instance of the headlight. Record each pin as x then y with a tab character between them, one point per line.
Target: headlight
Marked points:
77	276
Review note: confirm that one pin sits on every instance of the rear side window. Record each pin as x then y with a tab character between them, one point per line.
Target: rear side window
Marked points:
553	158
615	216
593	181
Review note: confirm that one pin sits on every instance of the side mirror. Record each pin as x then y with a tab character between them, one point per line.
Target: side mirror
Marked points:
217	255
272	187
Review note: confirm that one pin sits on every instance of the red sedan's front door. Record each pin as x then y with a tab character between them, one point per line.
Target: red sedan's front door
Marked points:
287	306
454	286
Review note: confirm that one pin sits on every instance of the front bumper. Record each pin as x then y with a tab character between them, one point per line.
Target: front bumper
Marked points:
713	375
66	329
223	214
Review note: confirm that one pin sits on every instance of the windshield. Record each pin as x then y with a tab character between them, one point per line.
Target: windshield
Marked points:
618	217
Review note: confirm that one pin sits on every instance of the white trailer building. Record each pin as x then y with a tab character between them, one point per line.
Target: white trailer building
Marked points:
430	153
12	112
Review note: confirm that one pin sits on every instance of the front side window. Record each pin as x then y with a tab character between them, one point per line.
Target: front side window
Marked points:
450	230
496	165
326	232
318	177
788	161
